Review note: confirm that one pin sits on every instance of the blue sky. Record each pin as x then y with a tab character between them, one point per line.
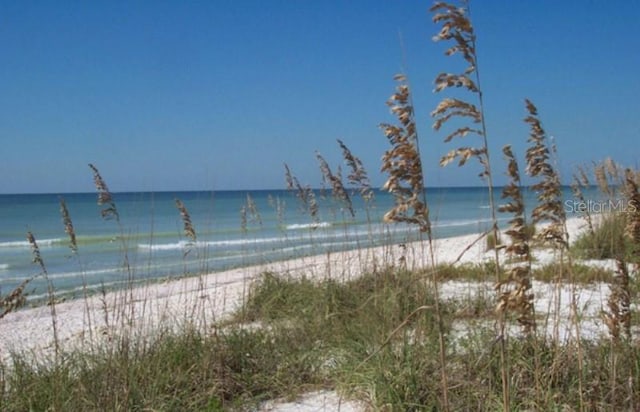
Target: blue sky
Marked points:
170	95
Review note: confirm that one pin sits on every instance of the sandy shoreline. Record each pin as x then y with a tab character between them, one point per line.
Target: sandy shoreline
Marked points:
210	297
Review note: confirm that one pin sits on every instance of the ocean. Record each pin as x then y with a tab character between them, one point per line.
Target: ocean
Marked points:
148	241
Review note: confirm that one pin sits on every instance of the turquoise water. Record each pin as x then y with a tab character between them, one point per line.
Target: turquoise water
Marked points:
149	235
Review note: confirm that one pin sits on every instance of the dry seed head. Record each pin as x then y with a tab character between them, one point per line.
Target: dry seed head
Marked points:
35	252
632	195
358	176
14	300
189	230
618	316
446	80
337	187
403	164
288	177
600	173
303	193
582	181
548	188
457	29
104	196
612	169
450	108
278	205
515	291
68	226
463	154
608	176
251	210
583	177
243	218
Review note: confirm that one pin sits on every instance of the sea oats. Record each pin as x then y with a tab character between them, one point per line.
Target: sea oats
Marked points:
105	197
337	187
68	226
189	230
37	259
304	193
632	195
403	164
618	314
548	187
515	291
14	300
358	176
581	181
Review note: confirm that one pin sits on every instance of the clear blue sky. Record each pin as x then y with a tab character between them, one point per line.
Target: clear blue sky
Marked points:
169	95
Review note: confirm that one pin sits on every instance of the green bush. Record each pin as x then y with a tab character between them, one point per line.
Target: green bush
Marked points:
607	241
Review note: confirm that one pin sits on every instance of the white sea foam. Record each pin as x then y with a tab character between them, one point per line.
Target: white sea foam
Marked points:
164	246
301	226
465	222
4	266
203	244
86	273
461	222
64	275
24	243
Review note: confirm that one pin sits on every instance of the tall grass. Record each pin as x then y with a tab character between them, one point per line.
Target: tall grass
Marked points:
406	182
457	29
518	298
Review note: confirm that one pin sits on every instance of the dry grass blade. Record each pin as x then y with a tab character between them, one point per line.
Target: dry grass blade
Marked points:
249	213
68	226
303	193
406	182
358	176
279	206
35	252
581	181
618	316
189	230
457	30
403	163
104	196
253	210
633	210
608	176
337	187
243	219
517	298
289	178
613	169
14	300
37	259
632	231
600	173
